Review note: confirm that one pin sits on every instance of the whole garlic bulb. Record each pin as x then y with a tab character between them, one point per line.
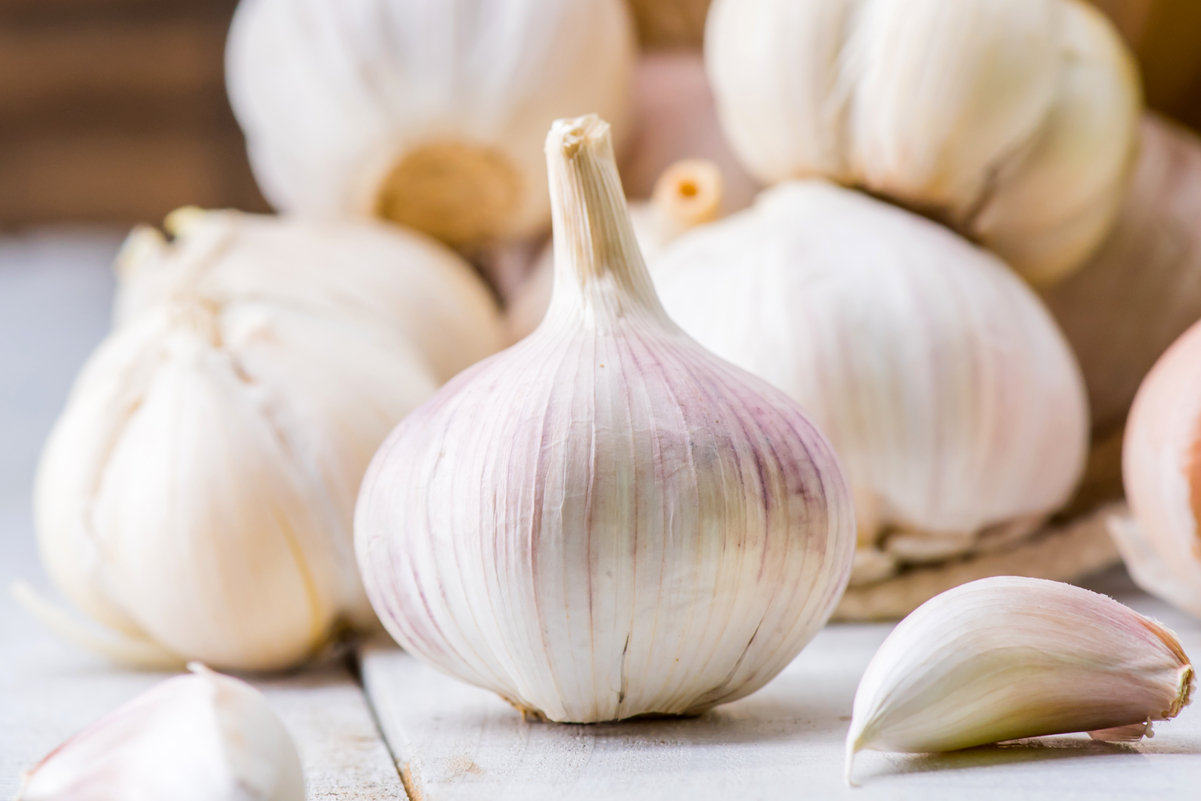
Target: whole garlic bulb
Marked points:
1012	120
688	193
195	497
675	119
200	737
1142	289
424	112
604	520
1162	474
357	269
950	396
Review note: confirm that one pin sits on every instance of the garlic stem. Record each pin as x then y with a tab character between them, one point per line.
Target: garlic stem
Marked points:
598	266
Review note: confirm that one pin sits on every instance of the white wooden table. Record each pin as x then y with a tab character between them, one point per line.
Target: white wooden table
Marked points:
450	741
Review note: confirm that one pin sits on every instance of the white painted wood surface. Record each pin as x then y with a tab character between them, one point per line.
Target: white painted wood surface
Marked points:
54	302
457	742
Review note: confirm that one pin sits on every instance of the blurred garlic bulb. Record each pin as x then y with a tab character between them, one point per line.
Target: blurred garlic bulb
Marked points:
1011	120
1008	657
687	194
428	113
605	520
355	269
1161	468
200	737
195	497
1142	289
944	385
675	119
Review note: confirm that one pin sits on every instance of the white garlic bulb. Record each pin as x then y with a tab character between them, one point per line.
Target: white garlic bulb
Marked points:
1009	657
605	520
429	113
355	269
688	193
1142	289
951	397
675	118
1161	470
1012	120
200	737
196	495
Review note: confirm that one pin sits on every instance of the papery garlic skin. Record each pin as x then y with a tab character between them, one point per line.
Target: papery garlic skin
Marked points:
675	118
425	112
201	737
688	193
605	520
1009	657
196	494
950	396
1012	120
1161	470
1142	289
360	270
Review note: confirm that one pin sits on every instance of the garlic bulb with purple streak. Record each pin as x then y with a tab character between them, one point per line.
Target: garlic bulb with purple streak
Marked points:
948	392
605	520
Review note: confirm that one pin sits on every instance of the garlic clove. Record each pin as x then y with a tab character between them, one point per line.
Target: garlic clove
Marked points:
604	520
1162	476
427	113
200	737
1008	657
1057	200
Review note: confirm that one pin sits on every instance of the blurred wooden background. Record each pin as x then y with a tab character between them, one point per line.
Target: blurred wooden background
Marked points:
115	110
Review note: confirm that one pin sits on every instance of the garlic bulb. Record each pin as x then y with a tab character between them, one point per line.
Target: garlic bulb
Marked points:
605	520
944	385
675	118
353	269
688	193
1162	475
1012	120
1143	287
424	112
200	737
195	497
1008	657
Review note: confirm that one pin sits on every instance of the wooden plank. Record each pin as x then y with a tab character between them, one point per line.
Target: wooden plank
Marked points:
456	742
122	178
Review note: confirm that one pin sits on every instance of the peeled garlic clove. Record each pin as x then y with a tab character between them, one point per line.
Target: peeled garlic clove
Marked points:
1142	289
1161	470
675	118
356	269
688	193
605	520
196	494
948	392
201	737
424	112
1009	657
966	111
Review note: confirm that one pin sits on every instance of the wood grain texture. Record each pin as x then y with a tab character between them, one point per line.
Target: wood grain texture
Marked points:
457	742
